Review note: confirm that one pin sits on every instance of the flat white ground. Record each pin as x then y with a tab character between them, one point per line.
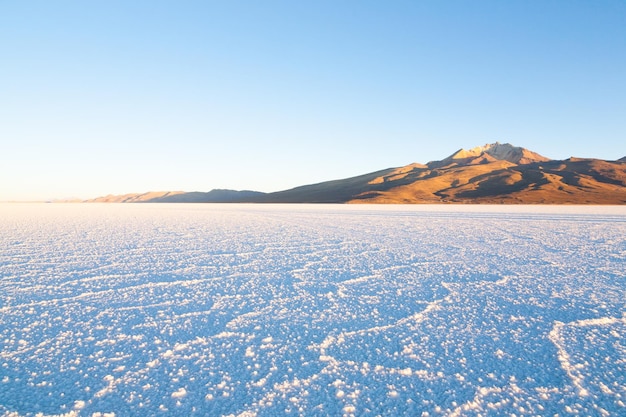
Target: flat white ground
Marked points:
312	310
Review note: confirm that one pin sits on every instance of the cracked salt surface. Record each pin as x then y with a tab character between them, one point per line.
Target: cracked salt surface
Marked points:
254	310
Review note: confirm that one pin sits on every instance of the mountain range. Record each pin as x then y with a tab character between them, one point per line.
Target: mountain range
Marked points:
491	174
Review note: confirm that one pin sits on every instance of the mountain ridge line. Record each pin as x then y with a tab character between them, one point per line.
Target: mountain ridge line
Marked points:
494	173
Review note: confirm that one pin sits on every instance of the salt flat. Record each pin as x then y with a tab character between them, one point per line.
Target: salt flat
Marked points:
312	310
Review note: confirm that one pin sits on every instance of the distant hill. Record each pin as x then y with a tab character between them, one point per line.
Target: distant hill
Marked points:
213	196
493	174
135	198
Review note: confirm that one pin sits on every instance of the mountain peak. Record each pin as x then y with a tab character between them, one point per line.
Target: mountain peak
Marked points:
500	151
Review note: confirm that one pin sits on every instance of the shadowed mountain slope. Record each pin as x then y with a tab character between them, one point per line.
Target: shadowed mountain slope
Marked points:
338	191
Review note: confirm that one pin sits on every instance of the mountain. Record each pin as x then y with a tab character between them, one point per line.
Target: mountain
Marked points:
493	174
573	181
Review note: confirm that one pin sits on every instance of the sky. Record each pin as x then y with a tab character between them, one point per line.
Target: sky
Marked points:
115	97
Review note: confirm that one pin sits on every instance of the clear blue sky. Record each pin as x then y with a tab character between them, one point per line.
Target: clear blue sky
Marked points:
100	97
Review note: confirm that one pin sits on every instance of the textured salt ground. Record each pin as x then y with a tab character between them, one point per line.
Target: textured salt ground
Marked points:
311	310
